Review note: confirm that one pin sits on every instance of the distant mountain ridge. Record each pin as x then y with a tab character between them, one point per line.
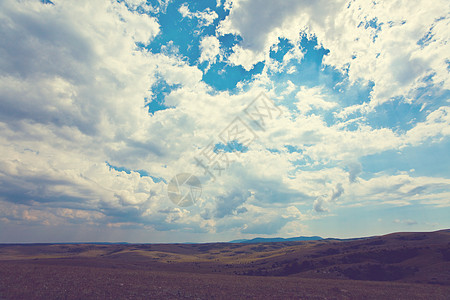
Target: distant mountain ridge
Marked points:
277	239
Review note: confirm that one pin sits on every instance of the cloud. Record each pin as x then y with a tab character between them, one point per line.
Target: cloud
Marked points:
408	222
337	192
244	57
354	169
73	98
435	127
393	45
270	223
311	98
400	190
388	50
76	80
205	17
289	89
261	22
210	49
320	204
229	203
256	21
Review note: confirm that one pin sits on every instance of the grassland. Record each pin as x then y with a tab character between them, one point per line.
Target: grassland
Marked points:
396	266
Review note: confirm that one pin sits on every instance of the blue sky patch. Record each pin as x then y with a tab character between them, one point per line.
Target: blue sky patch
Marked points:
142	173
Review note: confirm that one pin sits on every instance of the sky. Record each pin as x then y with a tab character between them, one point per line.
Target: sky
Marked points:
290	118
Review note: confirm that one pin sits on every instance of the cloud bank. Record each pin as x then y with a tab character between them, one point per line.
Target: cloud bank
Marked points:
102	103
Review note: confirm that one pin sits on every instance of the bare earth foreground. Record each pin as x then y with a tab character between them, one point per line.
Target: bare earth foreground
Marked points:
395	266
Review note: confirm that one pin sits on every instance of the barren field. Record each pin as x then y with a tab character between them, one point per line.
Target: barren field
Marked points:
396	266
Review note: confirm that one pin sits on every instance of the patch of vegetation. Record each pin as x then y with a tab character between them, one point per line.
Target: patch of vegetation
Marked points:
382	256
378	272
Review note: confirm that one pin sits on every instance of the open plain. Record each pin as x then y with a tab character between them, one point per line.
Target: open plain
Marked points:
394	266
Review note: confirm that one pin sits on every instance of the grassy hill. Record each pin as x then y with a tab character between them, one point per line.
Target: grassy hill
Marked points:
390	263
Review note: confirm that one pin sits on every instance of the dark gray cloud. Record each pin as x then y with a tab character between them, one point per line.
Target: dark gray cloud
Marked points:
337	192
318	205
39	44
354	169
229	203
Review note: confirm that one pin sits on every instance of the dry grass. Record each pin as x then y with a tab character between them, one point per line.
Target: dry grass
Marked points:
397	266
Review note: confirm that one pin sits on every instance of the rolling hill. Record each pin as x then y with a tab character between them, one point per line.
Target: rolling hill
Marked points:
417	262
